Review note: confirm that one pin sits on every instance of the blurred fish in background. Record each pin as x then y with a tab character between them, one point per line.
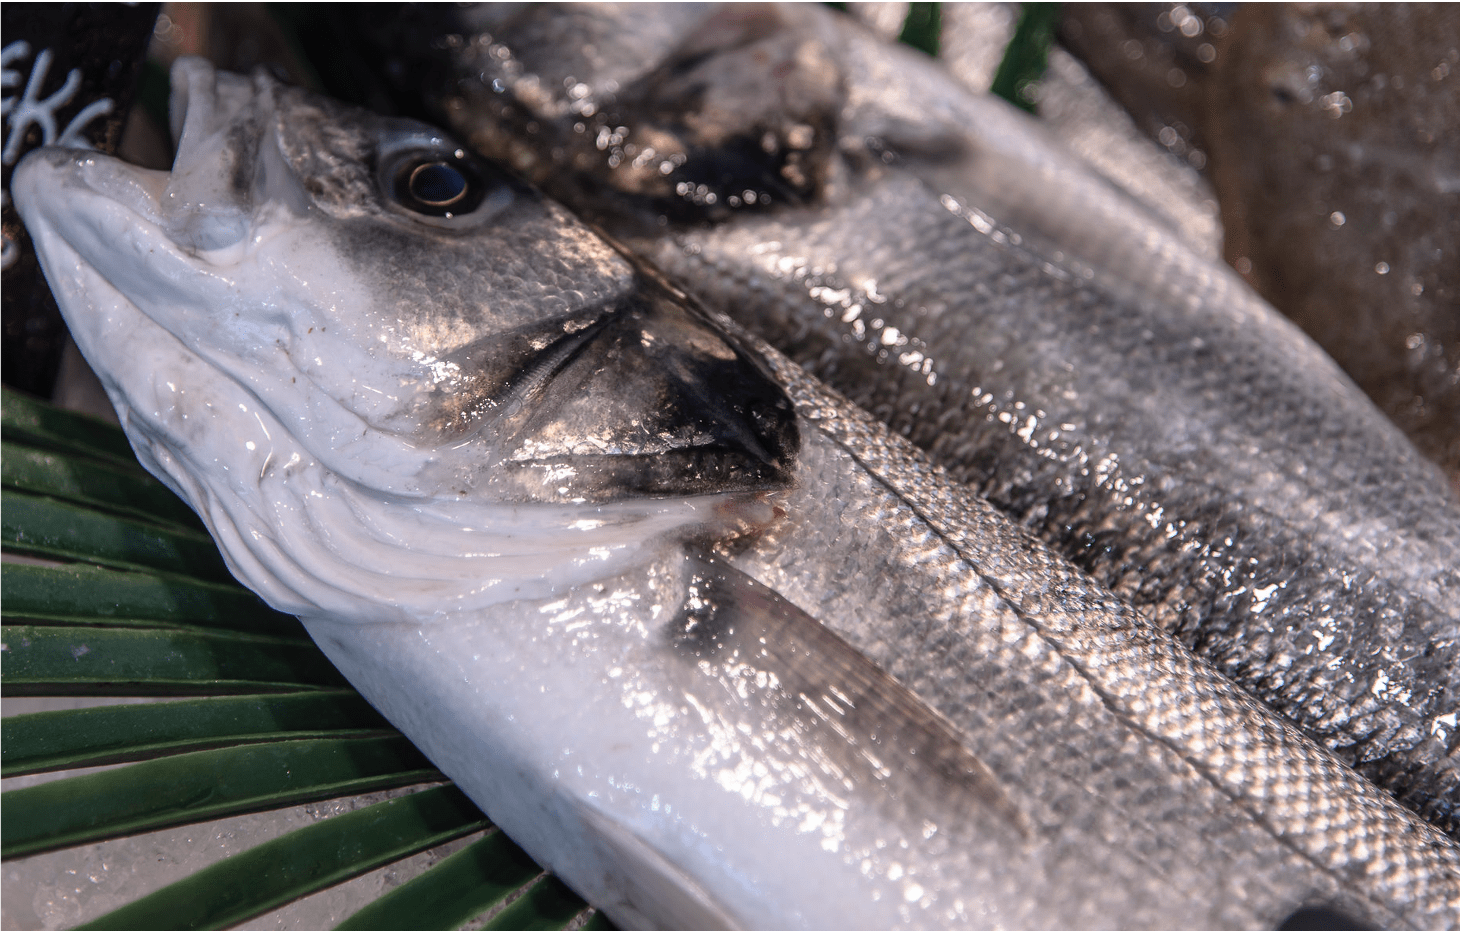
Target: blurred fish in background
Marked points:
1329	133
971	39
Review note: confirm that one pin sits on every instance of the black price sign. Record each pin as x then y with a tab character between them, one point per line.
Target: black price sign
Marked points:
69	71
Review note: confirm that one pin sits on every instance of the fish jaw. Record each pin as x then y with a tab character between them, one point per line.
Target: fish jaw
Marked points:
88	215
102	234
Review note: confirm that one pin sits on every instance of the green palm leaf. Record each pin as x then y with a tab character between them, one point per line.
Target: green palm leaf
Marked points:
112	588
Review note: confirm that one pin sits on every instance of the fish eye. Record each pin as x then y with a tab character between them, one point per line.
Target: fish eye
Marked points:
437	184
441	184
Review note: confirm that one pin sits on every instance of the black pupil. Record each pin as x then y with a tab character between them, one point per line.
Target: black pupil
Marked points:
437	184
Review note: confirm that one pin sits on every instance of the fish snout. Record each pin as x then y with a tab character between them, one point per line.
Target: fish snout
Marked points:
57	186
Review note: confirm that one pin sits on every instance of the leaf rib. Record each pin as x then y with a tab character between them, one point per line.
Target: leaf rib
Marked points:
52	740
204	785
277	872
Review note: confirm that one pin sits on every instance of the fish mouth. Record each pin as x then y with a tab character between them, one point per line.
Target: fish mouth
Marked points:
203	202
145	231
128	250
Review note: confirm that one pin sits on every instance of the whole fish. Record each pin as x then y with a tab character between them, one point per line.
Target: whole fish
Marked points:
940	260
704	639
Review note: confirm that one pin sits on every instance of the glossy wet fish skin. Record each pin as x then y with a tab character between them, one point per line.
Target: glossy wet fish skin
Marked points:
1105	776
1053	344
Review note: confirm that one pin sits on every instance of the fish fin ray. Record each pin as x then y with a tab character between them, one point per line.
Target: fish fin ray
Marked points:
872	729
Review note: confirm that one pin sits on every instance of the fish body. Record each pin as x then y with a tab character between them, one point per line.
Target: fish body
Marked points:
941	261
706	640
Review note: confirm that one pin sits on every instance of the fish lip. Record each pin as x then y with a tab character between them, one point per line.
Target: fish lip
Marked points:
220	122
140	191
97	185
108	214
186	81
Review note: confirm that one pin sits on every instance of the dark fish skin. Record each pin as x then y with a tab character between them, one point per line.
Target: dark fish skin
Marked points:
1351	217
1049	341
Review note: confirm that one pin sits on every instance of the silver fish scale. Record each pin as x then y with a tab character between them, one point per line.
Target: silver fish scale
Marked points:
1131	401
1286	605
1172	751
1116	817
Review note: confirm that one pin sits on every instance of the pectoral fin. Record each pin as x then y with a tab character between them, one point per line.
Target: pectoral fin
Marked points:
869	731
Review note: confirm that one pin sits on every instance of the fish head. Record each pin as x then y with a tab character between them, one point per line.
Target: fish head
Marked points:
694	115
418	320
698	111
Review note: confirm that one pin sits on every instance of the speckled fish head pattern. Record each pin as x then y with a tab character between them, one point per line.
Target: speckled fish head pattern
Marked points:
315	295
405	292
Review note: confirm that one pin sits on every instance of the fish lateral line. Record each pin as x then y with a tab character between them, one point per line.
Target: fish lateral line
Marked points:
1132	625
